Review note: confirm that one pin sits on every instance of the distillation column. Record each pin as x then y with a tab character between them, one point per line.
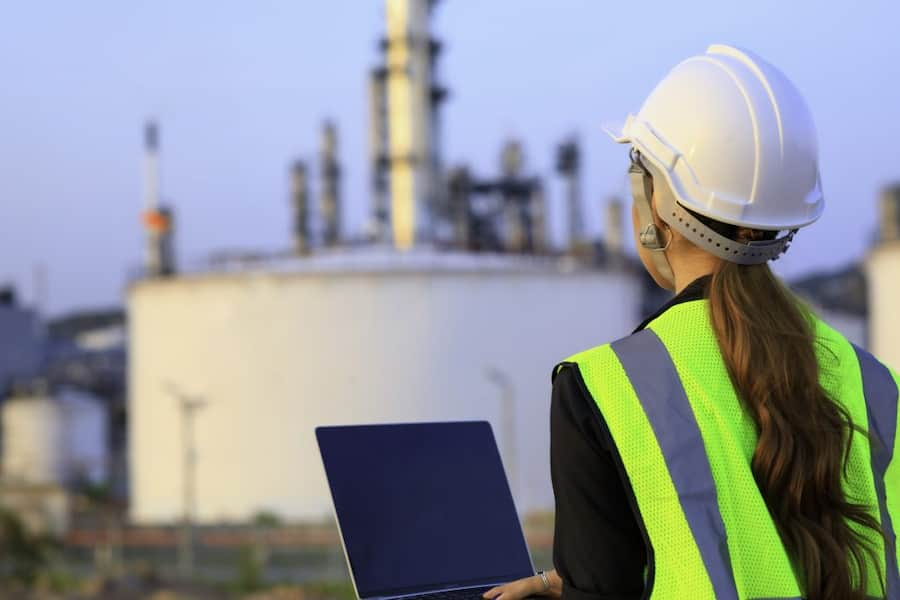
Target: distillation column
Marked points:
158	220
412	100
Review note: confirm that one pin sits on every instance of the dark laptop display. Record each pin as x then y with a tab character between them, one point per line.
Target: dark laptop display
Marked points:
423	506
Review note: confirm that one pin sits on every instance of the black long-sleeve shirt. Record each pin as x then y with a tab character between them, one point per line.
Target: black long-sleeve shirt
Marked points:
599	547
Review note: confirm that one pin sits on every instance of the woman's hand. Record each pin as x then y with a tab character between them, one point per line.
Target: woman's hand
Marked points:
516	590
528	586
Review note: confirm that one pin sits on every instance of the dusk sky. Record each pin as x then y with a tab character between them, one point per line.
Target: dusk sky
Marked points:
240	90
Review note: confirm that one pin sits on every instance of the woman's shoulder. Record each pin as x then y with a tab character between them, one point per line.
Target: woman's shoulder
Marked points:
599	353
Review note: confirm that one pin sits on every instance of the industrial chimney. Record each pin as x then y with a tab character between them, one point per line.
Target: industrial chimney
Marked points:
459	184
159	256
538	219
568	164
613	239
329	202
412	102
889	209
300	206
516	214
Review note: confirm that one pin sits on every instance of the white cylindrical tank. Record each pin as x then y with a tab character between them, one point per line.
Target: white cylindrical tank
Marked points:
275	354
883	276
55	439
33	441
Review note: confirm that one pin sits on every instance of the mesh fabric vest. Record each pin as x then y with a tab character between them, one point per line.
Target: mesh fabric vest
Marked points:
686	443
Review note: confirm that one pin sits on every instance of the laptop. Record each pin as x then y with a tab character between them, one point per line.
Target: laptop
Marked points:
423	509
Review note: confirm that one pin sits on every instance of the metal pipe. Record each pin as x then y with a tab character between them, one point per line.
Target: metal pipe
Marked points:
507	423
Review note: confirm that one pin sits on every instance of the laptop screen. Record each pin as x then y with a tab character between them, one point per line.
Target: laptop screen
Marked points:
423	506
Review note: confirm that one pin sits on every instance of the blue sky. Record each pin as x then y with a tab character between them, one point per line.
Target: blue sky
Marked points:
240	89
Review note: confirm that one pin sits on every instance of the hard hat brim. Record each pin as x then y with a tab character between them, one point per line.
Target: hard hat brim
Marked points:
618	131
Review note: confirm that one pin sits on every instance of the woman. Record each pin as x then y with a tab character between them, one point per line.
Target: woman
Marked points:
734	446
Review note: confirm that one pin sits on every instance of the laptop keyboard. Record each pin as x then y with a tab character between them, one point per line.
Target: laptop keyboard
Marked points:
466	594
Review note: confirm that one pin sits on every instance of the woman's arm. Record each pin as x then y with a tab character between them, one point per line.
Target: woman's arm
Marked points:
598	547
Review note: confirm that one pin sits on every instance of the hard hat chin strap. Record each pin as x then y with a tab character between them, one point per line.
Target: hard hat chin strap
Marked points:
650	234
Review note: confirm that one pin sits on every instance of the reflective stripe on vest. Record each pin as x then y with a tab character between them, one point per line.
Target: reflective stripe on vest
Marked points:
880	390
656	383
666	398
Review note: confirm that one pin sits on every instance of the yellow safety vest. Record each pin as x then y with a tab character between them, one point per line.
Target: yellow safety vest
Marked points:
686	443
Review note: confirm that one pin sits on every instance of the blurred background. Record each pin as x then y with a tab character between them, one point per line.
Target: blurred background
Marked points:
225	223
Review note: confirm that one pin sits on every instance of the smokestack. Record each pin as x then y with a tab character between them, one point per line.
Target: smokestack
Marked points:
300	205
329	202
511	159
151	166
515	201
613	240
159	257
378	152
459	190
412	100
568	164
167	241
889	210
537	209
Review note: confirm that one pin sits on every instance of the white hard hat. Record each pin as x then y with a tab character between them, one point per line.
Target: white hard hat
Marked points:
733	139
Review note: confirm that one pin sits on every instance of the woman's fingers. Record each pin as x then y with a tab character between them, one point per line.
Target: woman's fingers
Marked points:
515	590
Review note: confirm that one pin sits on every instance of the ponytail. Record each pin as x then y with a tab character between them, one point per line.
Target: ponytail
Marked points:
767	342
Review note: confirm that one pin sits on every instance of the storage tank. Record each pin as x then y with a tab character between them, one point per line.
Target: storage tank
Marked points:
33	443
55	438
883	275
274	352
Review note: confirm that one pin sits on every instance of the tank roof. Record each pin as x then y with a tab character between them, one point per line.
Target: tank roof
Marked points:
386	260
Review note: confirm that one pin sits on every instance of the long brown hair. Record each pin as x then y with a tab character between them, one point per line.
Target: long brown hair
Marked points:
768	344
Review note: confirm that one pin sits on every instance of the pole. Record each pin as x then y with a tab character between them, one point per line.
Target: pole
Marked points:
188	406
507	423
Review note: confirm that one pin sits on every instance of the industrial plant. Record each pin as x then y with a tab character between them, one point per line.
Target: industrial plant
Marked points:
197	403
453	306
